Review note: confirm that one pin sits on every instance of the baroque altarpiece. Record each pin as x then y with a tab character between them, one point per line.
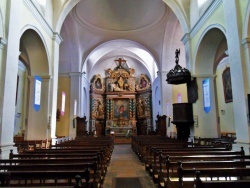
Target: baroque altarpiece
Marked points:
120	101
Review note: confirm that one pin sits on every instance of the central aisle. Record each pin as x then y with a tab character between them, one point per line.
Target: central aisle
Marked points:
124	163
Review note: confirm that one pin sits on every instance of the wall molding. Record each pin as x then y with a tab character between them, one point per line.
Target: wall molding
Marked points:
210	10
246	43
40	18
3	43
204	75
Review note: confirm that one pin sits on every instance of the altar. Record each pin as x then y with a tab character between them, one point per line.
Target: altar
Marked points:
119	131
120	135
119	100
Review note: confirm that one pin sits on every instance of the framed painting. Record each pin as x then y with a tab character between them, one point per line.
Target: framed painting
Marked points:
226	79
121	109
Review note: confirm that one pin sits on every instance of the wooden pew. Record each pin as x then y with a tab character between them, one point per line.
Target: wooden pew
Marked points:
209	169
155	154
45	178
153	165
100	159
198	183
31	144
68	157
42	169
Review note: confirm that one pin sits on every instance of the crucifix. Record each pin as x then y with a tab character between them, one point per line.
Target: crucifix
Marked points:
120	60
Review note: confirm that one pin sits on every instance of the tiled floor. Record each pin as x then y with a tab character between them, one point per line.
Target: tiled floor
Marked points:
124	163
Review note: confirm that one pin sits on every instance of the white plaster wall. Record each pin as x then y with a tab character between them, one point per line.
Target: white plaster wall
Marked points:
20	111
207	122
156	97
37	123
227	118
62	126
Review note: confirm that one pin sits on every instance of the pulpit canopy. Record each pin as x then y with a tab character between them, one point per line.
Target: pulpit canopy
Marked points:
178	75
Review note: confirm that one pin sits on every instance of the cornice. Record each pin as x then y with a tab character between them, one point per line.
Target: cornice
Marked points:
40	18
2	43
63	75
44	77
185	38
204	75
75	74
70	74
211	9
57	37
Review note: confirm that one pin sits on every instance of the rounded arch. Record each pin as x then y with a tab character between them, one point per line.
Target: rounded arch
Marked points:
172	40
114	48
246	25
207	48
65	11
36	56
181	16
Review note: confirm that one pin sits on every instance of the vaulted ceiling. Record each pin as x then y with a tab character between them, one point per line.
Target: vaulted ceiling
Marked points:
97	32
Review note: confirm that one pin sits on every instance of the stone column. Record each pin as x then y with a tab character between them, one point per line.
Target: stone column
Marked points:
75	94
9	76
237	61
166	96
54	84
246	46
2	73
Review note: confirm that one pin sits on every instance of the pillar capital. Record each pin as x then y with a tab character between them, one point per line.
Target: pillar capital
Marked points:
185	38
246	43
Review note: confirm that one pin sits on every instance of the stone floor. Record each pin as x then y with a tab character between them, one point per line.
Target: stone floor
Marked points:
124	163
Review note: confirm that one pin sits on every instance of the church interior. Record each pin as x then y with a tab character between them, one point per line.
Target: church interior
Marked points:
124	73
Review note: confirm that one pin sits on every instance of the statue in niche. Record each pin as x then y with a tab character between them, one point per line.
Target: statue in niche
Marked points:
120	82
98	83
100	109
109	72
143	83
131	71
140	107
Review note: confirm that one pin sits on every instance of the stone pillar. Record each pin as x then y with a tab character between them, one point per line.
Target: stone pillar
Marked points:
75	94
166	96
54	84
2	73
246	46
238	74
9	76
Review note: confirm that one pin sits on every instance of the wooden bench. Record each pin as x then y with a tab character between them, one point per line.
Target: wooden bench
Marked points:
20	169
180	170
154	165
46	178
156	153
31	144
198	183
